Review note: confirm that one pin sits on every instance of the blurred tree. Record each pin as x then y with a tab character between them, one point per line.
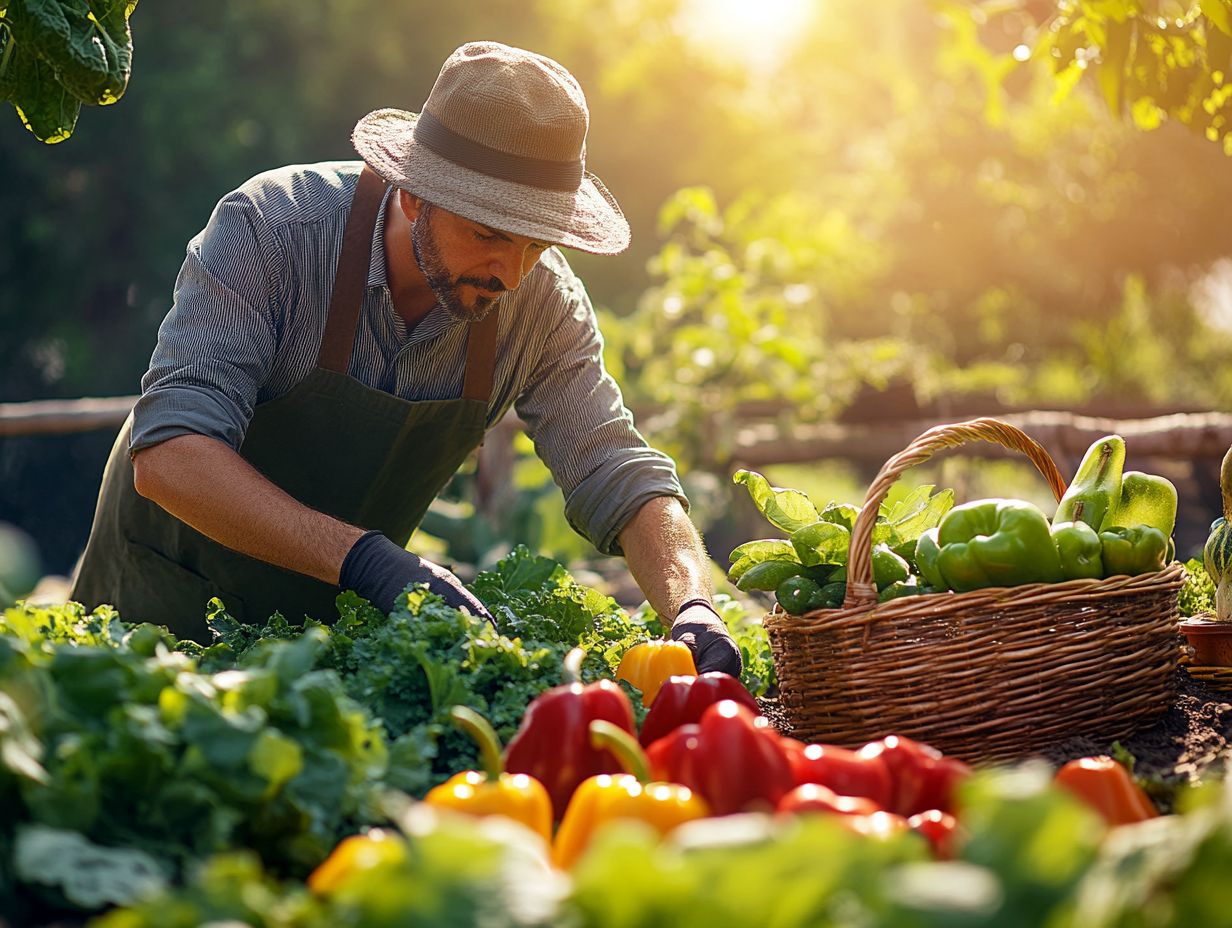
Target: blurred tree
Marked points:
1152	60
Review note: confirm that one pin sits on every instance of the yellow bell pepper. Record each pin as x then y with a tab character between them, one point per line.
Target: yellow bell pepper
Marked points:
607	797
649	665
493	792
355	854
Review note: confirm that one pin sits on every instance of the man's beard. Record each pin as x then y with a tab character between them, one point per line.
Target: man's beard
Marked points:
446	289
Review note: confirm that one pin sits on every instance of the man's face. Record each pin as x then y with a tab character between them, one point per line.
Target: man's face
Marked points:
469	266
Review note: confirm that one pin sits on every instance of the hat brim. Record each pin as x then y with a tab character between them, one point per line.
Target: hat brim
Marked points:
587	219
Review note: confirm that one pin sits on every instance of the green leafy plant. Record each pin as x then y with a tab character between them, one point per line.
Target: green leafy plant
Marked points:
1197	596
410	667
56	55
118	752
808	570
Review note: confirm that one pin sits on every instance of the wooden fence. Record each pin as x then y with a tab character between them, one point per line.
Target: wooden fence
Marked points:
1188	436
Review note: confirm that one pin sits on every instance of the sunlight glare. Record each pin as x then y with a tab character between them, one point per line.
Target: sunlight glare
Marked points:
755	30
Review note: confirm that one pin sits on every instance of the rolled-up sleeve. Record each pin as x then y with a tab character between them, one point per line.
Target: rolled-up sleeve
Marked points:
216	345
582	431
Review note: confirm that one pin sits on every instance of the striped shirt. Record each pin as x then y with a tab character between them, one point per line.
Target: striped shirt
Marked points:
249	314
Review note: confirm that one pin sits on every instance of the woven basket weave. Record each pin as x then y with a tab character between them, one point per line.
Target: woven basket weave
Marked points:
990	675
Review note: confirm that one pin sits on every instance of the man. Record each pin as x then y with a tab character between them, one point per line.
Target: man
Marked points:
342	336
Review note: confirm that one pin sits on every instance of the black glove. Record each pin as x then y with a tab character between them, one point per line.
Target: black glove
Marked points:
699	626
378	570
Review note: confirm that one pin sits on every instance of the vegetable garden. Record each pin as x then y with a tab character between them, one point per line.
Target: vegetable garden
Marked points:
972	694
353	773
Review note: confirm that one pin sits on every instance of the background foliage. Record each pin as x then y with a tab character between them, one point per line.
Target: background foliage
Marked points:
899	202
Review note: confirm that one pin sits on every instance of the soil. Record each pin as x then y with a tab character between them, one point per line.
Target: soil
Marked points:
1189	742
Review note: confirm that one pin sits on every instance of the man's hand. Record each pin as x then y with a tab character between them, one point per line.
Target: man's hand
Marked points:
378	570
698	625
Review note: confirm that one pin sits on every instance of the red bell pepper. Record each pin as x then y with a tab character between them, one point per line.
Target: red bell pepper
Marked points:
553	742
922	777
938	828
879	825
844	771
813	797
682	700
732	757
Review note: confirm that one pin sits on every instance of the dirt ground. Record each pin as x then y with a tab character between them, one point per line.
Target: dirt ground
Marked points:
1187	743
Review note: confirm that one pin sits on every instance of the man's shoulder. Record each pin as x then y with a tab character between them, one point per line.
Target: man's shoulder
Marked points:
556	287
302	193
553	261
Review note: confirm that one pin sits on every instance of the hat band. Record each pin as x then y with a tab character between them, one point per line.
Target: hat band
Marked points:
519	169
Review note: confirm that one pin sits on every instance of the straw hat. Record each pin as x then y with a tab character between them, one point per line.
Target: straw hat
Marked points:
501	141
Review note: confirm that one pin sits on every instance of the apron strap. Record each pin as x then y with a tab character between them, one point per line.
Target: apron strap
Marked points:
352	273
481	358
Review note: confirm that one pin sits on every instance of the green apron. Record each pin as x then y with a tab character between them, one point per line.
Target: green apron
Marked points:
353	452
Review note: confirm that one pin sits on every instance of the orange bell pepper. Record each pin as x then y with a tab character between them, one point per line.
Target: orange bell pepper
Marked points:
1107	787
356	853
493	792
649	665
607	797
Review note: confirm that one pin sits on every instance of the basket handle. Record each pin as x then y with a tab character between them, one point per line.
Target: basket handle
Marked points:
860	588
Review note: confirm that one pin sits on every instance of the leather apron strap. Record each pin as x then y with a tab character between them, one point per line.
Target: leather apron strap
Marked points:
347	298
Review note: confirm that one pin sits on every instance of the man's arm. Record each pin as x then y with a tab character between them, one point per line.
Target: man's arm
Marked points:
205	483
666	557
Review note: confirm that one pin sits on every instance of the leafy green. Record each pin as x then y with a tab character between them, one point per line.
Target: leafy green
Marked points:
821	543
56	55
789	510
826	538
535	597
766	549
410	667
128	753
230	889
1198	593
753	640
90	876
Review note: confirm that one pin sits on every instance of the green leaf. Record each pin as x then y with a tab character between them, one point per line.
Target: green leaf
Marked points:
90	50
89	875
914	524
787	509
43	105
20	750
913	502
821	543
842	514
1218	12
764	549
275	758
742	567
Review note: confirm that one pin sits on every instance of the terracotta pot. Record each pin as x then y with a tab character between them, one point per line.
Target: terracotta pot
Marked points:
1211	641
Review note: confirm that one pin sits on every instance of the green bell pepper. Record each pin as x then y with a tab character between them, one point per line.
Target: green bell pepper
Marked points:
1080	550
926	551
996	542
888	567
1146	499
1142	549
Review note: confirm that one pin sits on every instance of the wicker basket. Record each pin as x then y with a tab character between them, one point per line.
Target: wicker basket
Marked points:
990	675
